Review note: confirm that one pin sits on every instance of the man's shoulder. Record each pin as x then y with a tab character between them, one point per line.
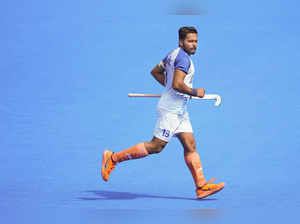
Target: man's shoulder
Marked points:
177	56
174	52
183	57
183	54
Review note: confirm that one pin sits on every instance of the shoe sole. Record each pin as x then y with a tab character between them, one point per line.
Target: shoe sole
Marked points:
104	161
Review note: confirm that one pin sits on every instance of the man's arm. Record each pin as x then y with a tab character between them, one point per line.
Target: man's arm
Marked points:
158	73
179	85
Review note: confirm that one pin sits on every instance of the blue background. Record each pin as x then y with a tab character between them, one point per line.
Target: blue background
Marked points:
66	69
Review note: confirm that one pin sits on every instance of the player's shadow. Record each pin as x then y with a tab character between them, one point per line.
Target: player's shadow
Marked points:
115	195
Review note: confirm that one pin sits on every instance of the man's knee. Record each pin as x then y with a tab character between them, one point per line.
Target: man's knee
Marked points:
188	142
158	148
155	146
193	145
190	146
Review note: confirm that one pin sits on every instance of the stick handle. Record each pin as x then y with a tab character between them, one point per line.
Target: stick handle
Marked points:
206	97
143	95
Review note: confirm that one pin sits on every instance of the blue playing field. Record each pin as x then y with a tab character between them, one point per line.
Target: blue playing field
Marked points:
66	69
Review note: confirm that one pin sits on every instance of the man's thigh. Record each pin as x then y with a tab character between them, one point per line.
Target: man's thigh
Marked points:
166	125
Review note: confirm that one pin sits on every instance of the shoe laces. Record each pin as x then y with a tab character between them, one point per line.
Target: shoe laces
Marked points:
208	187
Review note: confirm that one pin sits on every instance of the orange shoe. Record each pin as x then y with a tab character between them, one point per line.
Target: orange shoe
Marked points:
209	189
107	164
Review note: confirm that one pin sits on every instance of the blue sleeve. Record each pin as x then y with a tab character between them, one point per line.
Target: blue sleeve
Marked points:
182	62
165	60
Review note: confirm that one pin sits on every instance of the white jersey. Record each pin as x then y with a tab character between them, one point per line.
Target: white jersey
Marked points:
172	100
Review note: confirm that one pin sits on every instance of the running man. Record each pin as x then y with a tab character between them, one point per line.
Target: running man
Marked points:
175	72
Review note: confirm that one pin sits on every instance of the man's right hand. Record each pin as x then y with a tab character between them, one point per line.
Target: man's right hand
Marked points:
200	92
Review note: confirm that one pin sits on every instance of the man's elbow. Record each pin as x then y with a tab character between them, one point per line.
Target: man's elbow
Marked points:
176	86
153	72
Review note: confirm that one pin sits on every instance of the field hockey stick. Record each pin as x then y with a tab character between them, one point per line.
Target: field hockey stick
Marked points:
206	97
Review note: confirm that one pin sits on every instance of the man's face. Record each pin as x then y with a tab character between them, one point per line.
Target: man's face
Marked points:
190	43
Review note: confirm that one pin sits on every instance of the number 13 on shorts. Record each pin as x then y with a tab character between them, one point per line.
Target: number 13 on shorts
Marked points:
165	133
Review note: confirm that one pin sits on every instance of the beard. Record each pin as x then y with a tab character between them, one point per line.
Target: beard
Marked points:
190	51
193	51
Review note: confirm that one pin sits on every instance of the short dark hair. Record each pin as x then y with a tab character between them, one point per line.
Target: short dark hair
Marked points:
183	31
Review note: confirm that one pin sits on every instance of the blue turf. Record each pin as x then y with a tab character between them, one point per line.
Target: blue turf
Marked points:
66	68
